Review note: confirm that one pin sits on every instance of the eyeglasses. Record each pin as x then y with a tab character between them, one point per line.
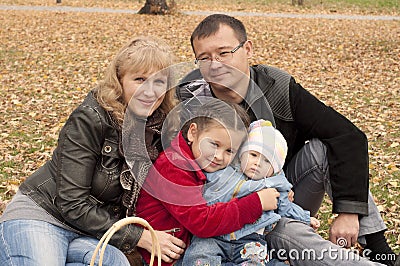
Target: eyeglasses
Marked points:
221	57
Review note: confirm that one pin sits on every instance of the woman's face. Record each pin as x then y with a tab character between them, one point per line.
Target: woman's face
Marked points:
214	147
144	91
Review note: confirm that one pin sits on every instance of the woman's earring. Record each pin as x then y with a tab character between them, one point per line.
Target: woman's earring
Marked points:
189	143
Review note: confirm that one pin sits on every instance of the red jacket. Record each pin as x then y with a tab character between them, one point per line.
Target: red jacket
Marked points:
171	198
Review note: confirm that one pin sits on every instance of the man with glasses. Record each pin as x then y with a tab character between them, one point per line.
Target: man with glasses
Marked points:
327	153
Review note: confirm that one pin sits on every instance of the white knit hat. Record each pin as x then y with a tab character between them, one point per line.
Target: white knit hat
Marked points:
268	141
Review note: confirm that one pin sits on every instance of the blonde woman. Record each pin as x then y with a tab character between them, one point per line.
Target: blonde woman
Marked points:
62	209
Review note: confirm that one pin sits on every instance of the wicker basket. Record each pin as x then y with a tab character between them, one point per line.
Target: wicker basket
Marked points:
115	227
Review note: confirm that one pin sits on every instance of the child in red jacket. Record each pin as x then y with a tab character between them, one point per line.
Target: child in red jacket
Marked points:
171	197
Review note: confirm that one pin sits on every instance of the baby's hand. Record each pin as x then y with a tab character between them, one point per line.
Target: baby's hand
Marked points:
291	195
314	223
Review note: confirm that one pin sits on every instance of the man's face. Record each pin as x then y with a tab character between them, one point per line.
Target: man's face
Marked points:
229	79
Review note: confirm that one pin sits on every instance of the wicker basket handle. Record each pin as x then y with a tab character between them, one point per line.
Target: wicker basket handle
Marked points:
115	227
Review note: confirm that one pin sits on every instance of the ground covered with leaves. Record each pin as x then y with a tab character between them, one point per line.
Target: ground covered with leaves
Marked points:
50	60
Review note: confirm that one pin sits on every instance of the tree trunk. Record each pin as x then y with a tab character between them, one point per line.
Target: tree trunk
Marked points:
299	2
157	7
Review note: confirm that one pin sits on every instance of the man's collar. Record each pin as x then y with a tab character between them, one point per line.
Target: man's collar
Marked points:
254	91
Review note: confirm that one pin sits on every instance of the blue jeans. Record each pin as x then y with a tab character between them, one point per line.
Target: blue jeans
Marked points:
249	250
308	171
38	243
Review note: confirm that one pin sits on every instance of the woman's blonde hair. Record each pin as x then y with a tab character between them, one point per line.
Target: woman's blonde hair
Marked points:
142	54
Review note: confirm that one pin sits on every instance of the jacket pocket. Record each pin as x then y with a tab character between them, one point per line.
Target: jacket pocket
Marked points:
110	157
105	183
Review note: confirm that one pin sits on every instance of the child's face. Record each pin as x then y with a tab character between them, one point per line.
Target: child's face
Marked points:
255	165
215	147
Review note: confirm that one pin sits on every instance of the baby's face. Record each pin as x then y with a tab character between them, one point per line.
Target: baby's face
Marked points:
255	165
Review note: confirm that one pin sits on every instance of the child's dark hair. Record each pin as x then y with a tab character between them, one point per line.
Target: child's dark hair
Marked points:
229	115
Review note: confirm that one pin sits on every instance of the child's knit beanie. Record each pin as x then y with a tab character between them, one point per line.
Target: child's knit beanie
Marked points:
267	140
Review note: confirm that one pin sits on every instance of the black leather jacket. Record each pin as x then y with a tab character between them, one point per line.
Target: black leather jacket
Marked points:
80	185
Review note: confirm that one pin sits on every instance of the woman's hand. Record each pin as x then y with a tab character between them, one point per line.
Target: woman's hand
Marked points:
269	198
171	247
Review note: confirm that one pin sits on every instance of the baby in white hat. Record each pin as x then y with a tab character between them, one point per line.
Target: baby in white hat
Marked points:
264	152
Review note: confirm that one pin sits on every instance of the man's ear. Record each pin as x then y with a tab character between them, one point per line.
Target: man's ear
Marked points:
248	47
192	132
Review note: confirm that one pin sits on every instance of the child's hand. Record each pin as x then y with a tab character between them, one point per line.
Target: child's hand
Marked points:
269	198
291	195
314	223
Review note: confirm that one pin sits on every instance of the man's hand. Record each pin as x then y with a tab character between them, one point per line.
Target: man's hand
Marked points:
344	230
